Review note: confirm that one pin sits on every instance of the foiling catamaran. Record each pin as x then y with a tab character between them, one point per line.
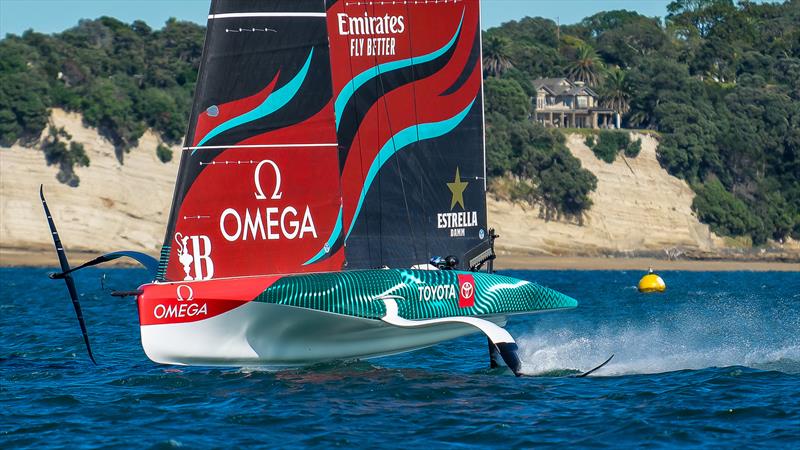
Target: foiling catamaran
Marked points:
334	148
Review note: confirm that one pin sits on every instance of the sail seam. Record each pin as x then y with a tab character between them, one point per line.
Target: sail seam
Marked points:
217	147
266	14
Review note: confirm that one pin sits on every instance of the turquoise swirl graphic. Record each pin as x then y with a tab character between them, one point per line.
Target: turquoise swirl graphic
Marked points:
350	88
275	101
358	293
337	230
404	138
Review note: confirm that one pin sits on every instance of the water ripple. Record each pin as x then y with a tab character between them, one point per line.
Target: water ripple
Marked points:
713	362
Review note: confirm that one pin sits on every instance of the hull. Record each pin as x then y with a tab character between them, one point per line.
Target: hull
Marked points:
262	334
295	320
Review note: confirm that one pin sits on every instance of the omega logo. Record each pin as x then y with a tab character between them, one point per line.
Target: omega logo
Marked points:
277	194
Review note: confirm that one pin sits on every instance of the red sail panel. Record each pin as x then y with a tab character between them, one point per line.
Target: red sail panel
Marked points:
407	97
258	186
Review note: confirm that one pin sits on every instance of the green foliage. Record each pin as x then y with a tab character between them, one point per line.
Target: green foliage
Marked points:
109	107
122	77
57	152
164	153
726	214
633	148
719	81
610	143
545	172
24	92
507	98
615	92
496	55
587	66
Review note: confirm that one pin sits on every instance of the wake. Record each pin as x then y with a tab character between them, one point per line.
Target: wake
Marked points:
641	351
694	338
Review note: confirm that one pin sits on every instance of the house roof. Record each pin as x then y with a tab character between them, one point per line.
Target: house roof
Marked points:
581	90
561	86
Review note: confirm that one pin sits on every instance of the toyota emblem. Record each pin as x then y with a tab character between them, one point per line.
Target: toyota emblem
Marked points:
467	290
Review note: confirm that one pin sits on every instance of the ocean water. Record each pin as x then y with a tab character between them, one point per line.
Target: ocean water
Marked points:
715	362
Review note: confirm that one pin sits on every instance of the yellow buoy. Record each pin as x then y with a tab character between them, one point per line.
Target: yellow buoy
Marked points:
651	283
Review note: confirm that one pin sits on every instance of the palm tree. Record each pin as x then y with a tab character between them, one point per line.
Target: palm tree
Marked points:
587	66
616	93
495	56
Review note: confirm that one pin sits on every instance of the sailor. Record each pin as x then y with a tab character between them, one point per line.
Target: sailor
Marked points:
448	263
451	262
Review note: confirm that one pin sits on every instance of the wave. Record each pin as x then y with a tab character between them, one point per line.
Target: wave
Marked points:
692	338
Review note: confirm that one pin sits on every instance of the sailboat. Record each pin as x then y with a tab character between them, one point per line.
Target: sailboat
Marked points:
331	196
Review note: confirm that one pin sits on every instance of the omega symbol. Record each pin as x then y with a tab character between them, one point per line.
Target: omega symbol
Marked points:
277	194
184	292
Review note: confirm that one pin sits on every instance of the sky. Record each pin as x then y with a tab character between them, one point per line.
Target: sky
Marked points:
51	16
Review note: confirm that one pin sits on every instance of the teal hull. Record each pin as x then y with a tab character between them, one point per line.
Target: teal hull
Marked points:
420	294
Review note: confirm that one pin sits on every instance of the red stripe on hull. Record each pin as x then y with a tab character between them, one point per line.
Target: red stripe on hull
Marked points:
171	303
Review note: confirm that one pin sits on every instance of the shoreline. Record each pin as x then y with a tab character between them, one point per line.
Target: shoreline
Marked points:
530	262
15	257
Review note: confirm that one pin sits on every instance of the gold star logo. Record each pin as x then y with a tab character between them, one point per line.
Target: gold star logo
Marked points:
457	188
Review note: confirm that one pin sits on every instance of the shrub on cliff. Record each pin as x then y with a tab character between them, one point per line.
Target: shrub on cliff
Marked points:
164	153
610	143
57	152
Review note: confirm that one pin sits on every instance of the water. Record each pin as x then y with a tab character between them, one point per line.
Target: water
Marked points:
713	362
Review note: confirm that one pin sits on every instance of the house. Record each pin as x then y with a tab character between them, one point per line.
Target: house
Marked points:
562	103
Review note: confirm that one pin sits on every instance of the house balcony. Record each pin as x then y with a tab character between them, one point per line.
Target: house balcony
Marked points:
553	116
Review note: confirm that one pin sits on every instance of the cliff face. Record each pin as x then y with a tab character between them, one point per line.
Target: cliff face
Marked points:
638	207
116	206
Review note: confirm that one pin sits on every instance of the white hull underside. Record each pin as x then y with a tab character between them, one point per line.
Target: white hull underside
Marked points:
270	335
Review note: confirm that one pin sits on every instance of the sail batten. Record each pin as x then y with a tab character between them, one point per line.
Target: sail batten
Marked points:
218	147
267	14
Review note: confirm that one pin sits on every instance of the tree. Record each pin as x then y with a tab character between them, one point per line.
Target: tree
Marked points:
507	98
726	214
701	15
605	21
496	56
632	40
616	92
549	175
587	66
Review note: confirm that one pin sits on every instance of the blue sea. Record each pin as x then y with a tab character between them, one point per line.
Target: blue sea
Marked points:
713	362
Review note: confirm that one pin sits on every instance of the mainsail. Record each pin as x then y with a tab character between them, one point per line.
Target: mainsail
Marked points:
327	136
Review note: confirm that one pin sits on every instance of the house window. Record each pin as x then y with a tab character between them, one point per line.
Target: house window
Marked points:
550	100
539	103
583	102
568	102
